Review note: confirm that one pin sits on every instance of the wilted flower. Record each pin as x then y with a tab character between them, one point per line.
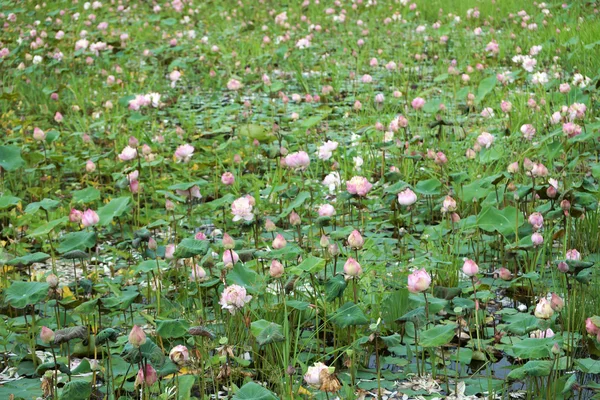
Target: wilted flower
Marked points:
179	355
313	375
449	204
543	309
233	298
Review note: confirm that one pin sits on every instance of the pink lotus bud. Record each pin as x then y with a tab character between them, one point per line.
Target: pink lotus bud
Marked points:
227	178
39	134
133	142
551	192
505	274
556	302
137	336
270	226
555	349
440	158
470	154
230	258
279	242
179	355
152	245
537	239
90	166
198	274
58	117
355	240
470	267
295	219
52	281
333	249
565	205
169	251
536	220
419	281
543	309
134	186
89	218
75	215
352	268
563	267
276	269
407	198
169	205
590	327
513	168
47	335
228	242
146	376
418	103
527	164
200	236
324	242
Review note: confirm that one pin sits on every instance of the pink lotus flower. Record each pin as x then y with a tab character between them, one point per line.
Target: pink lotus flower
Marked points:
326	210
233	298
128	153
89	218
485	140
528	131
179	355
359	186
191	193
418	103
184	153
470	268
242	210
539	334
407	198
419	281
137	336
590	327
326	150
227	178
571	130
573	254
299	160
234	84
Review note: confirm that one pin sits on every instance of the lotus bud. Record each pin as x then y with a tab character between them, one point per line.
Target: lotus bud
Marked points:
556	302
355	240
295	219
505	274
52	281
137	336
333	249
563	267
352	268
90	166
47	335
228	242
470	267
270	226
169	251
146	376
324	242
279	242
152	245
276	269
